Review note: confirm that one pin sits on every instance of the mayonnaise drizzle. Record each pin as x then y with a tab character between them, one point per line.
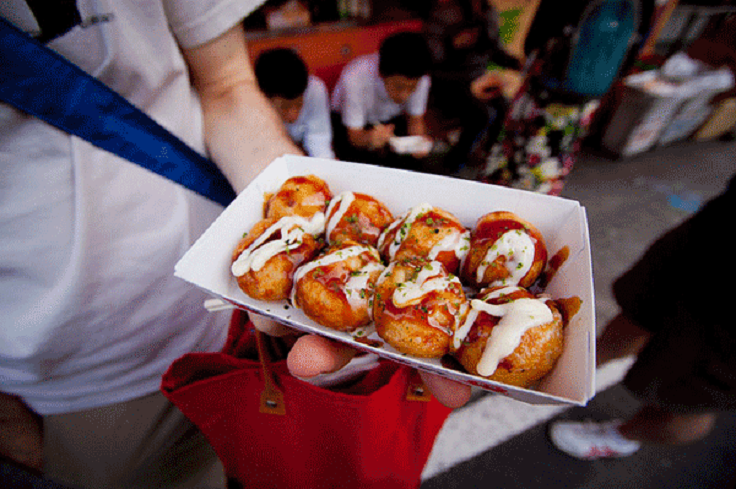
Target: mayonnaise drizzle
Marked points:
405	222
345	199
358	280
518	248
457	241
426	281
517	317
292	228
358	283
462	332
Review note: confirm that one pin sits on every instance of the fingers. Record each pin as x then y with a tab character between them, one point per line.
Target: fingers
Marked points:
378	138
383	134
313	355
448	392
269	326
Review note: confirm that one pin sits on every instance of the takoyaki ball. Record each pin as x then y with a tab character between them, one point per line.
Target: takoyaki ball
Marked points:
504	250
418	306
427	232
510	336
357	217
265	260
298	196
336	289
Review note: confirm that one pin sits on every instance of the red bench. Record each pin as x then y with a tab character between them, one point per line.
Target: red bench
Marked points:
326	49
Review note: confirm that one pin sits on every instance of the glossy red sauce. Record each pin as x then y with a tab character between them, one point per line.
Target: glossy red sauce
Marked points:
434	219
369	342
437	224
492	230
293	193
333	276
360	225
553	266
414	313
482	327
449	259
506	364
569	306
434	310
298	256
489	232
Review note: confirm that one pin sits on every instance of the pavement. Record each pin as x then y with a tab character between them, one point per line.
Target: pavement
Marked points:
497	442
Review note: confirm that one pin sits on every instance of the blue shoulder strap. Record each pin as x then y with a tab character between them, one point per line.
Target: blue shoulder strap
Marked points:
38	81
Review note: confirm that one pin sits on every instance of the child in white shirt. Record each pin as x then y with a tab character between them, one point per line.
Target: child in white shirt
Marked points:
300	99
376	92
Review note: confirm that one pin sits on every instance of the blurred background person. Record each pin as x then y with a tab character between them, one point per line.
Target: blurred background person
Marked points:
683	341
463	37
300	99
382	95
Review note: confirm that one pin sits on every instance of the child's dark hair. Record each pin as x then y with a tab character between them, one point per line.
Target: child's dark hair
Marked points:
281	73
405	54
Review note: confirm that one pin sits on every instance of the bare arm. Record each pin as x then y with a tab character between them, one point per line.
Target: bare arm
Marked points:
243	133
416	125
360	138
374	138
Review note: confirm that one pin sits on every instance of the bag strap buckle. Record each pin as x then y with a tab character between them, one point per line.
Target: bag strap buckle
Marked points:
272	398
417	391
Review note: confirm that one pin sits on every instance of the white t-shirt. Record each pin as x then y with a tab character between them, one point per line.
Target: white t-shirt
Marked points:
91	312
313	128
361	97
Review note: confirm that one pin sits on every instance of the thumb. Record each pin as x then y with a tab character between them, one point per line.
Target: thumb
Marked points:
312	355
448	392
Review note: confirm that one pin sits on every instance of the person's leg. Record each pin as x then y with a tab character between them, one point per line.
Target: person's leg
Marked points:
621	338
590	440
652	424
143	443
20	433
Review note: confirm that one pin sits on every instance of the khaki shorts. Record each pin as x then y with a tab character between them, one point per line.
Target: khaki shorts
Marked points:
143	443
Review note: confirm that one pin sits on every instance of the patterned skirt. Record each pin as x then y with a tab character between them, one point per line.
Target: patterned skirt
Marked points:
539	142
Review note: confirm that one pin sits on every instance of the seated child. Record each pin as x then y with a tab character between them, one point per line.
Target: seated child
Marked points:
300	99
380	95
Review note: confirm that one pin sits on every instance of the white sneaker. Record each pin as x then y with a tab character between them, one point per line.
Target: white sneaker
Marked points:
589	440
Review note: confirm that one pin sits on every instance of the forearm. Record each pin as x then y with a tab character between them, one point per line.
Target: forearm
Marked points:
360	138
416	126
243	133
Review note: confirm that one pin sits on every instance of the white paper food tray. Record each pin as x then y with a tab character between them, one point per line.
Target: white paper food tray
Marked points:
410	144
562	222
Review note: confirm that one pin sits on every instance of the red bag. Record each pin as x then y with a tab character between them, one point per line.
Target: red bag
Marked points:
273	430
